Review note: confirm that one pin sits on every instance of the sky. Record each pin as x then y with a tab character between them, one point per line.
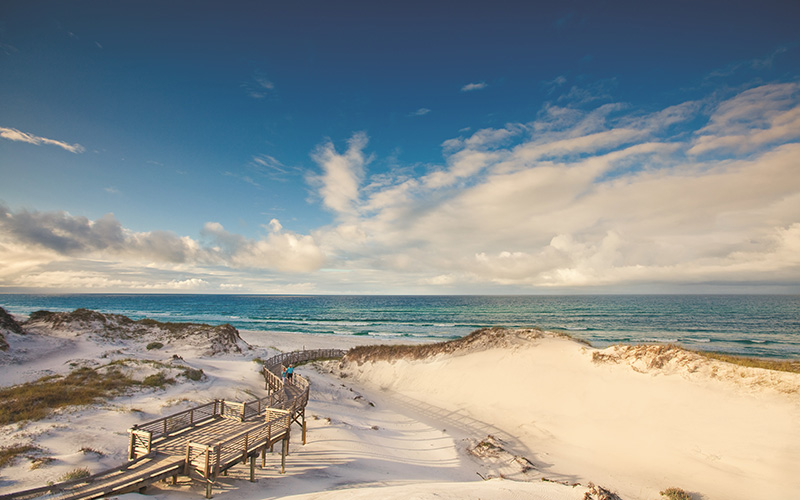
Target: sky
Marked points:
448	147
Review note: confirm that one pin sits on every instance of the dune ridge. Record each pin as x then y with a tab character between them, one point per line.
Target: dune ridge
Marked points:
638	418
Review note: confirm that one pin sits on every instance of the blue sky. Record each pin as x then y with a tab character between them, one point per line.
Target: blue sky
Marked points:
399	147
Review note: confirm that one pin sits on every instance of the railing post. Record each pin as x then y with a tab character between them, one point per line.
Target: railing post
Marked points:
304	426
132	444
284	452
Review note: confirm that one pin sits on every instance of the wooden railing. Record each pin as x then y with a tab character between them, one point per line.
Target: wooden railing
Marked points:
276	363
208	460
280	408
143	435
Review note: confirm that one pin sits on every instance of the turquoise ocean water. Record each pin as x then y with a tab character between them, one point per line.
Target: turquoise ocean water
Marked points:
755	325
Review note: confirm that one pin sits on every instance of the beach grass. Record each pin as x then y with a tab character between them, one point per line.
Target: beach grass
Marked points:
79	473
483	338
781	365
83	386
675	494
9	453
35	400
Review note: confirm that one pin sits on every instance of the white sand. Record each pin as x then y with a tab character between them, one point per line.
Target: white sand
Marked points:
402	429
722	431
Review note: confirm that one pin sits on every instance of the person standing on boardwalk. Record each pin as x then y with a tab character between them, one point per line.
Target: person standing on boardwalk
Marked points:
290	373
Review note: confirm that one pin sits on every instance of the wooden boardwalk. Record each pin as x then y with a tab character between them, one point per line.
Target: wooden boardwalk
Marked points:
204	441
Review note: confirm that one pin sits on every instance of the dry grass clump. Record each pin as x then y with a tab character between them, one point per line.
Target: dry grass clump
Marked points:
484	338
35	400
768	364
599	493
79	473
654	356
9	453
83	386
659	356
675	494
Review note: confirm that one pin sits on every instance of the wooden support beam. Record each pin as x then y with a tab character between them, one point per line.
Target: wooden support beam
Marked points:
284	452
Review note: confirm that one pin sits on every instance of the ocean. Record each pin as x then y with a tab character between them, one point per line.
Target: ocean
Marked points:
753	325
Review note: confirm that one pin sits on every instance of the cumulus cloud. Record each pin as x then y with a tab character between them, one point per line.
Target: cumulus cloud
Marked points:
281	250
604	197
699	192
13	134
31	243
342	174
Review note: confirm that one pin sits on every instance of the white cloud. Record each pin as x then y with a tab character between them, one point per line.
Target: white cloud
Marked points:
342	174
610	196
757	117
259	87
420	112
271	167
13	134
31	243
605	197
473	86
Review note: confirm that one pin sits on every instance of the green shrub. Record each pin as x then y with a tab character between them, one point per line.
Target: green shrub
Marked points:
154	345
193	374
676	494
159	379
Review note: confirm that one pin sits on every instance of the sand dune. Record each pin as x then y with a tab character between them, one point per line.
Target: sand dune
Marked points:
621	416
490	416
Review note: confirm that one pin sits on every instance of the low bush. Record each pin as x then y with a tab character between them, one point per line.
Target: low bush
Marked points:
159	379
154	345
193	374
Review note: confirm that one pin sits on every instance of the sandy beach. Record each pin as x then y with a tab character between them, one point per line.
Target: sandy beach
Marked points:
520	414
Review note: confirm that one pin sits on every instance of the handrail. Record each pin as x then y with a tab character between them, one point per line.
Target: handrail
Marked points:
180	420
66	486
280	408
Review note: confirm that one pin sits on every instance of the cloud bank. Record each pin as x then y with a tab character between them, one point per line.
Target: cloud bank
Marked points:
603	197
